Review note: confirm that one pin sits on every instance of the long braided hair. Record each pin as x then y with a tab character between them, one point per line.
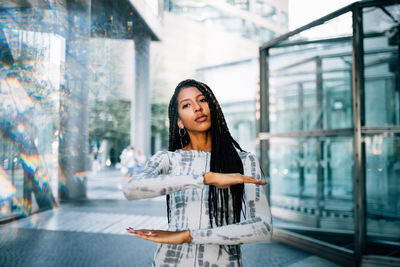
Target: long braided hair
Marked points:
224	157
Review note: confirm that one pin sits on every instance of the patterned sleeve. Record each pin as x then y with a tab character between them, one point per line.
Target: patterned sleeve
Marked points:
258	224
154	181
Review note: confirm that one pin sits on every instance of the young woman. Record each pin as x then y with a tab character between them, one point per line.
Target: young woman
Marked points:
209	182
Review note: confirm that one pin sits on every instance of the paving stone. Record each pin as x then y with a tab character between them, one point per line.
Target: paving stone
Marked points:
92	233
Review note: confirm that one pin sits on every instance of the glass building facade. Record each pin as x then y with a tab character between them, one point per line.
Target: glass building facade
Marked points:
61	85
329	132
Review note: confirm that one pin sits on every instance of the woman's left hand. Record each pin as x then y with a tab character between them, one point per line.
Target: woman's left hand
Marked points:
160	236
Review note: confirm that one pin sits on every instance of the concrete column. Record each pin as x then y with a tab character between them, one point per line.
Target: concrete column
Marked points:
141	113
73	145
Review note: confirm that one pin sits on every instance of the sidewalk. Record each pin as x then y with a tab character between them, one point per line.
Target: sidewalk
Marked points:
92	233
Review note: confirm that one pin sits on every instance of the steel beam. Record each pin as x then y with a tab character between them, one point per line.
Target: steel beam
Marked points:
359	147
262	115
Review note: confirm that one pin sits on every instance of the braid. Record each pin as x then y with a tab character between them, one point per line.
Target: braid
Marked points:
224	157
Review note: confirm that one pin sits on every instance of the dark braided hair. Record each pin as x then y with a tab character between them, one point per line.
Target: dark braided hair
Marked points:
224	157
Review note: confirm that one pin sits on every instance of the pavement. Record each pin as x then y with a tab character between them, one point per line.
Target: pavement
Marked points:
92	233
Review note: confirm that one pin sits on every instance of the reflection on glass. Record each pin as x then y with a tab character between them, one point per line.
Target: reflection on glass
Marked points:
338	171
337	94
284	171
381	90
337	27
297	74
312	172
295	185
29	117
381	66
383	184
382	102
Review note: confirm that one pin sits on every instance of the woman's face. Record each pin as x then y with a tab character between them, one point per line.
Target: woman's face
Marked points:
193	110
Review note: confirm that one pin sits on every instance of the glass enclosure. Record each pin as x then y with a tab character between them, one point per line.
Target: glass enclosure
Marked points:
66	82
382	112
326	174
31	77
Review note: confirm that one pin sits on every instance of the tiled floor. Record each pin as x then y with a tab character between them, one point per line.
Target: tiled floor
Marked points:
92	233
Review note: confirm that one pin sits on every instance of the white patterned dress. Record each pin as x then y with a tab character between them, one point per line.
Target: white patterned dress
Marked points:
180	174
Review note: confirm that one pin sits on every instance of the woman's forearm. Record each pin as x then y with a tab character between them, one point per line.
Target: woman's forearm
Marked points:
146	187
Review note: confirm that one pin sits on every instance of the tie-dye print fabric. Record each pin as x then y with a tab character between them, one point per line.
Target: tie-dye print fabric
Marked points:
180	174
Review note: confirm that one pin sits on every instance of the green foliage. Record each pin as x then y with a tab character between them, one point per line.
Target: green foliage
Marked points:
110	120
109	111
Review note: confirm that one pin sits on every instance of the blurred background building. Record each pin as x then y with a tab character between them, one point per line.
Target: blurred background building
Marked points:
198	38
81	80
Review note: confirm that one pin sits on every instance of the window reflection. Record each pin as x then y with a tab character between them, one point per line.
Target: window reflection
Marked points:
29	95
381	89
297	74
383	184
294	181
315	153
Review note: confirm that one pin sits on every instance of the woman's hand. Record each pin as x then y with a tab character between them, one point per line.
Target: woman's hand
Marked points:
225	180
160	236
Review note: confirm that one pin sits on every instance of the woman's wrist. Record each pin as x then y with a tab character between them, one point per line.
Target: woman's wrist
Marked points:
188	238
207	176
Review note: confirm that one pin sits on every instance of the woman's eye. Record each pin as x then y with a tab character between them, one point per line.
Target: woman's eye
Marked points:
185	106
203	100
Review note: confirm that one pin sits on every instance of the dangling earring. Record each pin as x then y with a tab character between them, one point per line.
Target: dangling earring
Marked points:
182	133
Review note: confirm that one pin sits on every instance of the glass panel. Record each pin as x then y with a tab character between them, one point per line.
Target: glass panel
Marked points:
381	66
337	94
284	169
39	70
307	160
296	73
383	185
294	181
29	93
337	27
337	163
382	108
312	177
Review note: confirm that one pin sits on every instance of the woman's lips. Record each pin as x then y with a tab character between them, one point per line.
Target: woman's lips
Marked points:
201	118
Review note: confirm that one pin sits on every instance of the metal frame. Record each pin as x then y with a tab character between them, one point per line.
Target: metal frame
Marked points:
263	118
358	145
334	253
365	3
320	147
357	132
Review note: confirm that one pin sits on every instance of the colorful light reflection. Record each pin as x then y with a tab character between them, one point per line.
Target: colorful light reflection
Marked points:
7	190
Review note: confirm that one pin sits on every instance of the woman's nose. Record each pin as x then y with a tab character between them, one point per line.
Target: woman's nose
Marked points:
196	107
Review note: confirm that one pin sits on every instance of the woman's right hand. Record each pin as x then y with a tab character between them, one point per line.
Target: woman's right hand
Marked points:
225	180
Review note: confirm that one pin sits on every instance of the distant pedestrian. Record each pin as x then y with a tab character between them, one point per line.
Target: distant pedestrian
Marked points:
128	161
140	160
95	160
208	180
